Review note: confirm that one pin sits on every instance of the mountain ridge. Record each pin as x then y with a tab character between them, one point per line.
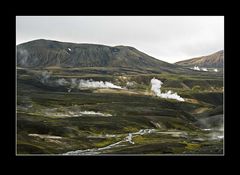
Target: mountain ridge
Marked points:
212	60
44	53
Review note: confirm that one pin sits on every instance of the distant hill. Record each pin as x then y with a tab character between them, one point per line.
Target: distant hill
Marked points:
214	60
46	53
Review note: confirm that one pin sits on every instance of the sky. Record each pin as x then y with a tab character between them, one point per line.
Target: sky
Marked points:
168	38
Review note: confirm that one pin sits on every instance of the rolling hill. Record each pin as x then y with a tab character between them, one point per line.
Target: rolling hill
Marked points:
68	103
46	53
214	60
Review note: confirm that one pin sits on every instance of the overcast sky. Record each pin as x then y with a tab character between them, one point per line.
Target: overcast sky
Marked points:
168	38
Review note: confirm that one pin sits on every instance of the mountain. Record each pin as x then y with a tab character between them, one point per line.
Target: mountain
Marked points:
86	99
213	60
46	53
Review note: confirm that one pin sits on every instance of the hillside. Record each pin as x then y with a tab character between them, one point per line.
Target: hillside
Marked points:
86	99
214	60
45	53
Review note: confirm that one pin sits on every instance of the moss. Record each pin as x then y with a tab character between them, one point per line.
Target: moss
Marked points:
130	112
26	148
105	142
196	88
139	139
130	129
191	146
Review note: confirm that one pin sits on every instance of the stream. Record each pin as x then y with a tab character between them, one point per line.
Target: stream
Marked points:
128	138
211	135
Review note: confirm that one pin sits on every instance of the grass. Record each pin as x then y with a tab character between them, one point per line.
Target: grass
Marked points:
191	146
106	142
130	112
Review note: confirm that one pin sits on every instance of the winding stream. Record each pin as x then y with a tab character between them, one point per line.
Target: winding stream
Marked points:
128	138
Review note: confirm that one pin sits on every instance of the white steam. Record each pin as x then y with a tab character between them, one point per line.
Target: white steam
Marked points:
171	95
199	69
96	84
69	89
62	82
204	69
156	85
45	76
77	83
130	84
196	68
155	88
73	83
83	84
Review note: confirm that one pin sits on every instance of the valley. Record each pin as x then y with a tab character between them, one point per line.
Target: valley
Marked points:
92	121
103	101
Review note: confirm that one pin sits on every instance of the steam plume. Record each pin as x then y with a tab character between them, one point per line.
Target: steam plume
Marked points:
45	76
196	68
155	87
96	84
62	82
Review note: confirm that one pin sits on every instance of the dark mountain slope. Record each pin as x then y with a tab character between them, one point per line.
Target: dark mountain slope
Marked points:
46	53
